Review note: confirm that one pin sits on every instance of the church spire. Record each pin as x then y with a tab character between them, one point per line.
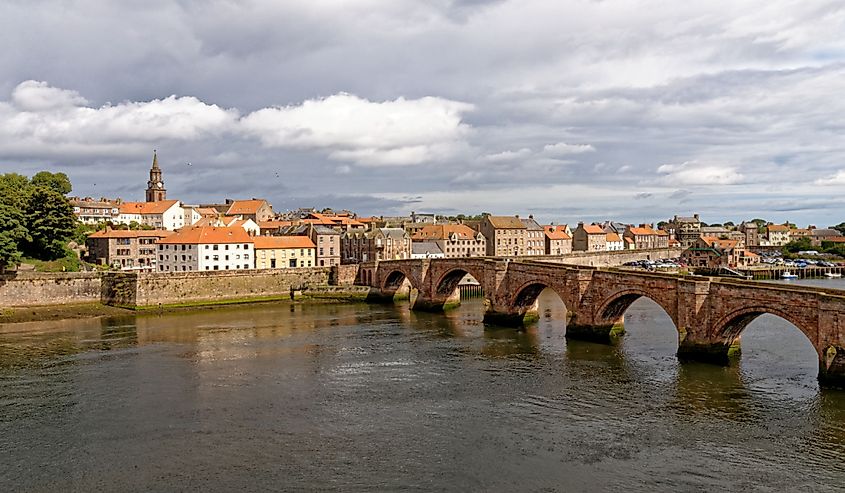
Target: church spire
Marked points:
155	187
155	160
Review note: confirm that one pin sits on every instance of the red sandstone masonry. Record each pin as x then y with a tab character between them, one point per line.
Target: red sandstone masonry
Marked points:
709	314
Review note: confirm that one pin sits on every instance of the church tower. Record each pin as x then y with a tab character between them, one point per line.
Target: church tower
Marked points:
155	187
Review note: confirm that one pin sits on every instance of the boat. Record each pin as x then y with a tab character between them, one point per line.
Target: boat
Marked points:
832	275
788	275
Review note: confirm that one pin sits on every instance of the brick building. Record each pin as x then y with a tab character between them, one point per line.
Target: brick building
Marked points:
125	250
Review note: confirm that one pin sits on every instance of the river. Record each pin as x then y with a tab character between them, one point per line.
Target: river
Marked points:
375	397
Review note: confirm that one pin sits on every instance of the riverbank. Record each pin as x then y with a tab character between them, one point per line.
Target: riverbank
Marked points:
45	313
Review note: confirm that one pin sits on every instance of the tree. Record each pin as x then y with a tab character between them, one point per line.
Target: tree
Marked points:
839	227
12	235
798	245
57	181
13	189
50	220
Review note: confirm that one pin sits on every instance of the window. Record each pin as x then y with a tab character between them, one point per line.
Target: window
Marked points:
161	247
216	267
227	247
238	256
206	267
215	247
206	257
183	258
246	246
246	256
206	247
227	257
216	257
321	251
161	257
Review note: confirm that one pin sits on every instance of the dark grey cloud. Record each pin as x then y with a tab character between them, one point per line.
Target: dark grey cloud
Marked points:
564	108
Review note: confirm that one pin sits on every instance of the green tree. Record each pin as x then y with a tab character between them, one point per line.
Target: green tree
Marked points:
50	220
799	245
12	235
13	189
839	227
57	181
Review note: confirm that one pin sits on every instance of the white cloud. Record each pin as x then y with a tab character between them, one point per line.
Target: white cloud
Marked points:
695	173
42	120
836	179
562	149
33	95
506	156
349	128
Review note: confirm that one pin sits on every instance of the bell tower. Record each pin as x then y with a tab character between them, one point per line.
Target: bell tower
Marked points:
155	187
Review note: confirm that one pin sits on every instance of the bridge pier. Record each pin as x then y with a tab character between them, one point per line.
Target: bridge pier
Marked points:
437	303
717	353
832	368
603	333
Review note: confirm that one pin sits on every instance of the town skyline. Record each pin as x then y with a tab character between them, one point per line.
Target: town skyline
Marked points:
452	107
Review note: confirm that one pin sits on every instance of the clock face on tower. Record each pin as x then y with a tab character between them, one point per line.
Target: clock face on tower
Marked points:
159	184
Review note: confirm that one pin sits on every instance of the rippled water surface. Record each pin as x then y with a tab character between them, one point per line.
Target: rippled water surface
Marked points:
364	397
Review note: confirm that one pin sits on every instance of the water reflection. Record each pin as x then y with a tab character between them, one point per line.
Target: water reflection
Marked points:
380	397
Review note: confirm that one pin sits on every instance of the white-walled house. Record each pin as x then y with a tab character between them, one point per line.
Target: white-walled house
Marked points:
164	214
206	249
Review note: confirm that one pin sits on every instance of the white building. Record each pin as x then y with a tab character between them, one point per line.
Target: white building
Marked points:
206	249
614	242
164	214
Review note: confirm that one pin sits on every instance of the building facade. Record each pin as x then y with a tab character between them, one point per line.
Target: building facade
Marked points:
206	249
326	241
713	253
166	214
90	211
686	229
505	235
454	240
125	250
259	210
284	252
377	244
589	238
535	238
558	241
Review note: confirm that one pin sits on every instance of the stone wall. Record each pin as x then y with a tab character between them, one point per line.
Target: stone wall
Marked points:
37	288
189	288
344	275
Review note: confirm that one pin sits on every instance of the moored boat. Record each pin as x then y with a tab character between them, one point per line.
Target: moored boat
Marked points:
832	275
788	275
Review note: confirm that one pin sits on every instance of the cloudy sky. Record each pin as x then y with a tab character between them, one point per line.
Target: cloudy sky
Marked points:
567	109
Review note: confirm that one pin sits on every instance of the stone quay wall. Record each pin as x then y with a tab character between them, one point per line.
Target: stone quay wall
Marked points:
45	288
145	290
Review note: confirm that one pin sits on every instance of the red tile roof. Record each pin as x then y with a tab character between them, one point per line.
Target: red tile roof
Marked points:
613	237
556	232
593	229
245	207
282	242
444	231
146	207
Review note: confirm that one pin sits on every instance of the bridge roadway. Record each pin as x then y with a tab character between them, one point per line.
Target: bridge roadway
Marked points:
709	313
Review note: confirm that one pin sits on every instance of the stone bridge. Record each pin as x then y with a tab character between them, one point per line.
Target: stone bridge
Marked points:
709	313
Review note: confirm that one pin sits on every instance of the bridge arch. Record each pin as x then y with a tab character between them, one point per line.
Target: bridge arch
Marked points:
449	280
393	279
525	296
731	326
613	309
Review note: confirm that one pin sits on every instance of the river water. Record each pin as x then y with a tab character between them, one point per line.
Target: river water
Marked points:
374	397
